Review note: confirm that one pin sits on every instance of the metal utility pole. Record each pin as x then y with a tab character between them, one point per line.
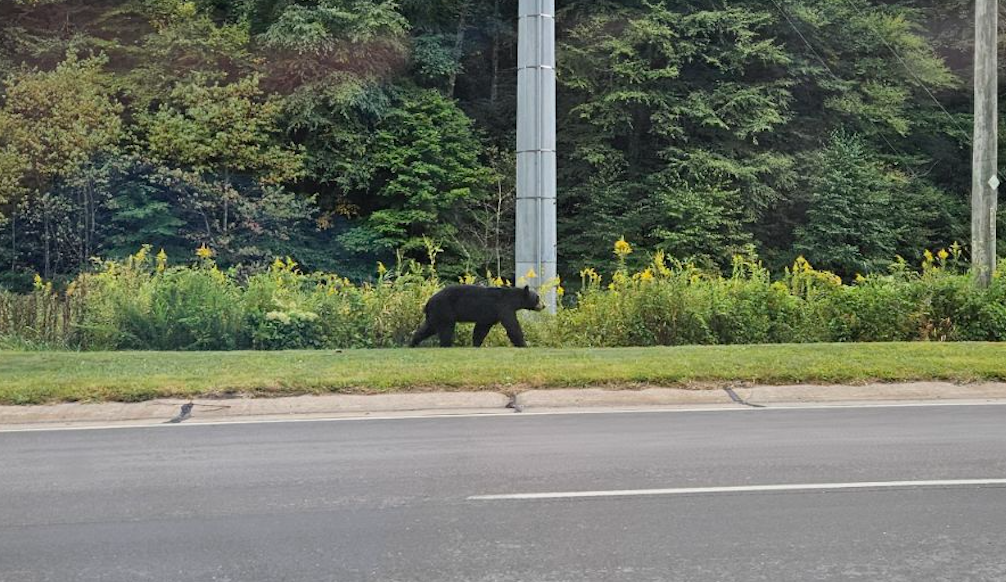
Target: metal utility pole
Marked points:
536	167
985	171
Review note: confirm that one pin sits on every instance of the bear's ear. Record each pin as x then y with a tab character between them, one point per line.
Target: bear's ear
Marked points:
527	290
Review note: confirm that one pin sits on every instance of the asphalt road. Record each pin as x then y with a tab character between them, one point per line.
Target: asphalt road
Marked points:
391	499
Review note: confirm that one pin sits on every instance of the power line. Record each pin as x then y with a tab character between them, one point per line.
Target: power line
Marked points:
824	64
963	130
914	75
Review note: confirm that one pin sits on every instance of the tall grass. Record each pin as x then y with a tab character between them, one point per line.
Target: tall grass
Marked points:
42	319
143	303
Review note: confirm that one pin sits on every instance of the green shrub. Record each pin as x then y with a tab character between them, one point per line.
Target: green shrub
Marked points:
142	303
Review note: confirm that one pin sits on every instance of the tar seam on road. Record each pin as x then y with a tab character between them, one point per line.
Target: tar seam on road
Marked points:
746	489
186	411
183	414
733	396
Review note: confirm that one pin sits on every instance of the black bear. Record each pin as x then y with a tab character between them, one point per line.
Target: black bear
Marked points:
483	306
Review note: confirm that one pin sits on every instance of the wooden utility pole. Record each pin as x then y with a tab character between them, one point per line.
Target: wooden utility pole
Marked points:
985	171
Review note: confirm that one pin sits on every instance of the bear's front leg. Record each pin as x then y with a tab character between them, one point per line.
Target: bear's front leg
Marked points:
513	330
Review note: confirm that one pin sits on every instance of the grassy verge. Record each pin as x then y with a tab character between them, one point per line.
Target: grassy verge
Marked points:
40	377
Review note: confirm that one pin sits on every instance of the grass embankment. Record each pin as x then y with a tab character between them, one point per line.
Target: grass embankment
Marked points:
41	377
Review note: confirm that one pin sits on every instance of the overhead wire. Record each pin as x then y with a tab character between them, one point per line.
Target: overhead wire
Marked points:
918	79
827	68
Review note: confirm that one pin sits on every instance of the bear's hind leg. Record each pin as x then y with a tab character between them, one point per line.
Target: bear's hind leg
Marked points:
425	330
446	334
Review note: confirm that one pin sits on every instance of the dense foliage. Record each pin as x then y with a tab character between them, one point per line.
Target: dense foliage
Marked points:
144	302
343	132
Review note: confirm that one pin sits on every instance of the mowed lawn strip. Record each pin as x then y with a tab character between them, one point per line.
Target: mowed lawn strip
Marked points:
45	377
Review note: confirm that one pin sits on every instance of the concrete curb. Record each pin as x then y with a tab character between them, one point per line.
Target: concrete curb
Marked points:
913	391
598	397
84	415
235	409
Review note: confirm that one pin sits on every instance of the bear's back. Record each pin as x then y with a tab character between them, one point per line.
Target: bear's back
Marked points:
469	303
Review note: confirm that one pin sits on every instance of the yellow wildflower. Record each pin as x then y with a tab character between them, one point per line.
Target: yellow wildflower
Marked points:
560	291
802	265
141	255
467	279
38	282
277	265
381	269
646	275
943	254
187	9
162	261
659	261
204	252
590	275
622	248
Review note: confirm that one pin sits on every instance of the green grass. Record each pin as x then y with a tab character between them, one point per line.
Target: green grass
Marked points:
42	377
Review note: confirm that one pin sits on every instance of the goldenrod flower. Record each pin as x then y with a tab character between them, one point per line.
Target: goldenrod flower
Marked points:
801	265
622	248
659	260
590	275
204	252
187	9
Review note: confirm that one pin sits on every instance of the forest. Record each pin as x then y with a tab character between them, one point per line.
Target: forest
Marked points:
343	133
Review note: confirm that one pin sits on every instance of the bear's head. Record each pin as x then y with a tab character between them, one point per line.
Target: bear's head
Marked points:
531	300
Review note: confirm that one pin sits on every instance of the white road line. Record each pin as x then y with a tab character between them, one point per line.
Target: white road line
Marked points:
743	489
412	415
